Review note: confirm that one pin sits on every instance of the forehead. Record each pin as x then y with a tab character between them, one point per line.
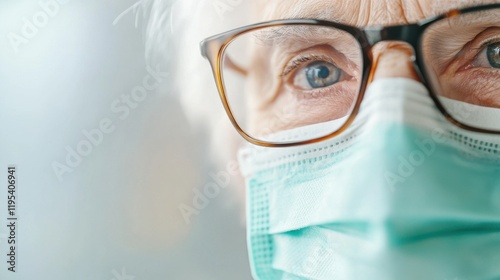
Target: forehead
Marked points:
360	12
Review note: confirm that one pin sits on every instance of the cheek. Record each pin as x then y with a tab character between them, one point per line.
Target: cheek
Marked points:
260	89
258	102
484	92
288	111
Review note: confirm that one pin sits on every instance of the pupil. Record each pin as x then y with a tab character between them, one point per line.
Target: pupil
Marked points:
323	72
494	55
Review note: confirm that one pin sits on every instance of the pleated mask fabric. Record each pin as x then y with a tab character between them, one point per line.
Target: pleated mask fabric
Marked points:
401	194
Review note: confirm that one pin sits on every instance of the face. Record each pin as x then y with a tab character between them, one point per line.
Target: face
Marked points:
307	80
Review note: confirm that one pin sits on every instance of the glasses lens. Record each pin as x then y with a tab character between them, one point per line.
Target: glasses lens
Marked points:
292	83
462	58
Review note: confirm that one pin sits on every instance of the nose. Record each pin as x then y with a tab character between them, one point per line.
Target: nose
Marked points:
393	59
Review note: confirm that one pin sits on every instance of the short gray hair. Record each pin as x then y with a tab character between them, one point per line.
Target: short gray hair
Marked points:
173	32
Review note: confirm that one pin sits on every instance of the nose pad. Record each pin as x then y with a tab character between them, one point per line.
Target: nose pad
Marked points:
393	59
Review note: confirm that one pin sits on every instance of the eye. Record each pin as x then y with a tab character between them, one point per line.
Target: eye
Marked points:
318	74
493	53
489	56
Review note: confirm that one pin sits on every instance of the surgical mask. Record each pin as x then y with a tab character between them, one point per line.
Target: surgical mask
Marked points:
402	194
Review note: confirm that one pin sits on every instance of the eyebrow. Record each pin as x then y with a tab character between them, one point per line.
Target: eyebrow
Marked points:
282	33
295	38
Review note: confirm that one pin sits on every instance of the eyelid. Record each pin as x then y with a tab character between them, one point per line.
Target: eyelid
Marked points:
481	60
298	62
316	53
473	48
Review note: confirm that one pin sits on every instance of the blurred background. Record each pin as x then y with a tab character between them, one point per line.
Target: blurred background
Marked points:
111	177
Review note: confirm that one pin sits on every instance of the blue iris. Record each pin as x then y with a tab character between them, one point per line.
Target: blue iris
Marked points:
494	55
322	74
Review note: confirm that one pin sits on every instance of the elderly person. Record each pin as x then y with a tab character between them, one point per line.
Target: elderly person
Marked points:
373	135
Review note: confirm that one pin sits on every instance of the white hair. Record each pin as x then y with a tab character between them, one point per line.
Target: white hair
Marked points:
173	32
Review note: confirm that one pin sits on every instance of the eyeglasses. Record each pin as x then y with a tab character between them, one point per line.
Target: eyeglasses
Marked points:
285	74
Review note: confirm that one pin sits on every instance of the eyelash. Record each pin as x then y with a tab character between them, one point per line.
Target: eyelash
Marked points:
487	43
476	55
298	62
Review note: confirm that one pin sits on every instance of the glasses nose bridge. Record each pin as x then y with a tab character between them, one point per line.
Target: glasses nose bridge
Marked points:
409	34
404	33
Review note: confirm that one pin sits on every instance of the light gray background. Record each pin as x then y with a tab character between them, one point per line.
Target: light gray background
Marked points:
118	210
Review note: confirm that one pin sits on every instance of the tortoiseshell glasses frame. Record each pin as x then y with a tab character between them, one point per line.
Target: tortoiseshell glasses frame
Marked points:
213	49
